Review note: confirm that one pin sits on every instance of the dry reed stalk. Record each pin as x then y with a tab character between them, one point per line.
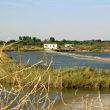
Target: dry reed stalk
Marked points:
37	102
25	100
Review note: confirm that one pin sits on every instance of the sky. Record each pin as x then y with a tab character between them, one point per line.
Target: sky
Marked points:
62	19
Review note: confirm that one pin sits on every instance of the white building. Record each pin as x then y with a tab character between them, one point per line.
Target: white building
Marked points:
51	46
68	45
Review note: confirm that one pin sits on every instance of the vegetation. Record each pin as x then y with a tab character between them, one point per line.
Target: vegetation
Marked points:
40	79
77	77
33	43
23	93
84	77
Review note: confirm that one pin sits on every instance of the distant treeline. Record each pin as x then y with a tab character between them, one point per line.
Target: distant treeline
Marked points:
90	45
28	40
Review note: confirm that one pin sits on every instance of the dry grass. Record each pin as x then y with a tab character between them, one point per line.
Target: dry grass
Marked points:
30	87
16	97
31	95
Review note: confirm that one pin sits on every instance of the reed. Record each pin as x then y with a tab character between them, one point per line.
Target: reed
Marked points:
83	77
30	85
26	91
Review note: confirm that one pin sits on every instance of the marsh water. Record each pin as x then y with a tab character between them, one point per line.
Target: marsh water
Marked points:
70	96
76	100
71	99
63	61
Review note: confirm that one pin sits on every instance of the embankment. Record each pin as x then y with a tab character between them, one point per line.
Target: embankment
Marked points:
85	56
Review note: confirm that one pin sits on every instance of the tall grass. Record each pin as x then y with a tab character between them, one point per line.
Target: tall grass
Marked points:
21	78
83	77
30	84
26	91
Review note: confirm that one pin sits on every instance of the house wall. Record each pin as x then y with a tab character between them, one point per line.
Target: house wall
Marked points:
50	46
68	45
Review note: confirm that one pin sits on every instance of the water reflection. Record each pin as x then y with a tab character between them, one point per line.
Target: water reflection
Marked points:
67	99
78	101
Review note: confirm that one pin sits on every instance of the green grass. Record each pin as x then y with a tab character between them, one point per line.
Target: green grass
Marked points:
77	77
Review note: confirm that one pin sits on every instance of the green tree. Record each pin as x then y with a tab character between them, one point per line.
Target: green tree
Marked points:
2	42
38	40
20	38
34	39
52	39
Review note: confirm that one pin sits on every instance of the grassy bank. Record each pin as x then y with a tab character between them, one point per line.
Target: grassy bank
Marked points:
77	77
5	58
23	48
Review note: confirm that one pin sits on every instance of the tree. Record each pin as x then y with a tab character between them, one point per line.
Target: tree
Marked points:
38	40
45	40
2	42
52	39
34	39
20	38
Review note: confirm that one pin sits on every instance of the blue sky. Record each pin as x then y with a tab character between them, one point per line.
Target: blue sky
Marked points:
62	19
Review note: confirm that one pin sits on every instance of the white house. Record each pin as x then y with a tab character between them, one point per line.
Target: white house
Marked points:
51	46
68	45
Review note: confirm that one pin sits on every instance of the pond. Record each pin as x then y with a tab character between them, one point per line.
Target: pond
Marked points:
77	100
70	98
59	60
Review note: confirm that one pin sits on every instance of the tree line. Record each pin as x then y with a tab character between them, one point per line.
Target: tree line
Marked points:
29	40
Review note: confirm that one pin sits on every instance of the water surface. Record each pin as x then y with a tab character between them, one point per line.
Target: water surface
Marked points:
71	97
77	102
59	60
